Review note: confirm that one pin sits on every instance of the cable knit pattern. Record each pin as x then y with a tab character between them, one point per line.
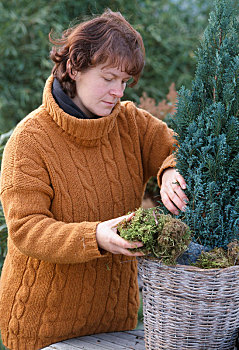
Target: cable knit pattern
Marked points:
61	176
86	180
130	154
113	175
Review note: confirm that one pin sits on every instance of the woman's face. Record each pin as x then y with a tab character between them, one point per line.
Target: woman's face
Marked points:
99	88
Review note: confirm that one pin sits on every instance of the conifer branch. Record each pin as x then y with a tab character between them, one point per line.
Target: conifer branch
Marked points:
220	43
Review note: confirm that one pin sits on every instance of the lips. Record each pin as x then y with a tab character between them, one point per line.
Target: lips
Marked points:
109	103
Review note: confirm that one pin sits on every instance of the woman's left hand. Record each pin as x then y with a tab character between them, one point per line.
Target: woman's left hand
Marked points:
172	194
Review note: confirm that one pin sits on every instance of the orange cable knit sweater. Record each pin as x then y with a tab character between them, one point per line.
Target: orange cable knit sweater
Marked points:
60	177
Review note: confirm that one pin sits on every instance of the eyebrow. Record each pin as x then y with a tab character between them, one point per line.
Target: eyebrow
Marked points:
114	75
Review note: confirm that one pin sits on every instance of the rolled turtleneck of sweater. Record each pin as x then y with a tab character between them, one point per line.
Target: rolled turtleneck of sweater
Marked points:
61	176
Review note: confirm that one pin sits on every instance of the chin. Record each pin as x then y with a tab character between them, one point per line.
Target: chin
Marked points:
104	113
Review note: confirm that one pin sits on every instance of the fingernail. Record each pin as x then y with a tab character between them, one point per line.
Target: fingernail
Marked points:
184	187
176	212
185	200
184	208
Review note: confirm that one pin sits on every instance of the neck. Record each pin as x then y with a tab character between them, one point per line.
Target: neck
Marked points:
79	104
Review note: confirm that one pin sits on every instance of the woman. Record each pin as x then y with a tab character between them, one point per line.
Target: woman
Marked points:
71	171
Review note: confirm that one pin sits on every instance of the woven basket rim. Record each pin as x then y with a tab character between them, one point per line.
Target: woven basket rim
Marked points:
187	267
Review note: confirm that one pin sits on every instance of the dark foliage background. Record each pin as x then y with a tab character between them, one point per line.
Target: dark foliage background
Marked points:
170	29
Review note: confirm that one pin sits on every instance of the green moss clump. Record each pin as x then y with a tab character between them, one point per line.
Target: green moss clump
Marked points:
214	259
163	236
219	257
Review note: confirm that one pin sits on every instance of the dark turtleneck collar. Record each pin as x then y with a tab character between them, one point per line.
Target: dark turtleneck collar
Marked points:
66	103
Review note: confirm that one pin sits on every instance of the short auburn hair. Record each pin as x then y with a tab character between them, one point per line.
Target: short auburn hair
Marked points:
107	38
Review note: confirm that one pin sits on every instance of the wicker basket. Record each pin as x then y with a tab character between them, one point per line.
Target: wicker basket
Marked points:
189	308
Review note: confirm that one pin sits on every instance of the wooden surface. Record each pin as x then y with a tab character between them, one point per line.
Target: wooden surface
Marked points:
115	341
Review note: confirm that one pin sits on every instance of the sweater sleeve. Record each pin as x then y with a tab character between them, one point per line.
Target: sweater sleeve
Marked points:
157	144
26	196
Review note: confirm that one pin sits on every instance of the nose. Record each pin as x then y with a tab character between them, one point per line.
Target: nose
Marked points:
118	91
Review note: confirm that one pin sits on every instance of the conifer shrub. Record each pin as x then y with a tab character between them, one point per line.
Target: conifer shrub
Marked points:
207	125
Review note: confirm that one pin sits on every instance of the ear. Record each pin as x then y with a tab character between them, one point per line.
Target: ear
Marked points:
72	73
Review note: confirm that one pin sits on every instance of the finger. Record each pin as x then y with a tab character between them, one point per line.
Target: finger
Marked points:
173	196
135	244
174	191
123	243
116	221
128	253
130	216
181	195
118	250
168	203
181	181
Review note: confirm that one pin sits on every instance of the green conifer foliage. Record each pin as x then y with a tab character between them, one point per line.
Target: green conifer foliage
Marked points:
207	124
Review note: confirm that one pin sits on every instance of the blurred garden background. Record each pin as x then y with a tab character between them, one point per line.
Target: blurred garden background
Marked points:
171	30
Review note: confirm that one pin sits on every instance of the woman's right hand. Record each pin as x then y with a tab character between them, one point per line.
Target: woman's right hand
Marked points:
108	239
